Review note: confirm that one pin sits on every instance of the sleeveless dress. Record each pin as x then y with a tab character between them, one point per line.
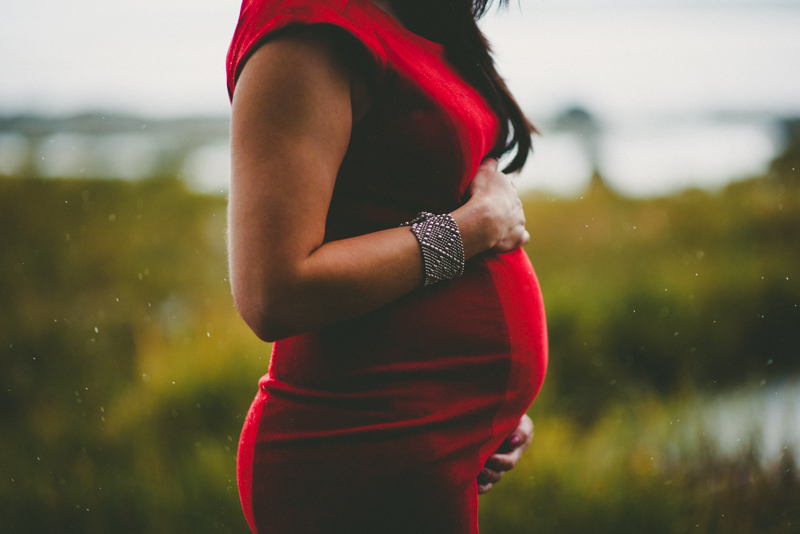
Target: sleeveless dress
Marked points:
381	424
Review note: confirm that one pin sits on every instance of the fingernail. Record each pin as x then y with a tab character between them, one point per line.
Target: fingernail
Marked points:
515	439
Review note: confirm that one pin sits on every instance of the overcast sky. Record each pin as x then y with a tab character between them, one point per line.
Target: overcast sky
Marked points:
166	57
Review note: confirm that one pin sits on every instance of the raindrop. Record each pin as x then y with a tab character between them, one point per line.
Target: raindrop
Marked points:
96	330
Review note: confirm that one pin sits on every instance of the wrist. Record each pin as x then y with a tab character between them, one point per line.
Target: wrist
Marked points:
475	222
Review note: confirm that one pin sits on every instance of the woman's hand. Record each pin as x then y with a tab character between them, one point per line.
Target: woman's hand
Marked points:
506	456
499	209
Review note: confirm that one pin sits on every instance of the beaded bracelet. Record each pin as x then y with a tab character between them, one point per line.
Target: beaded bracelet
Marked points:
441	246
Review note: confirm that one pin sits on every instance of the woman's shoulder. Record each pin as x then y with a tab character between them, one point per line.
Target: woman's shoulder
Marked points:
259	20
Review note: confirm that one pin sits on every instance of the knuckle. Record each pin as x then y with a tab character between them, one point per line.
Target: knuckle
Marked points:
505	463
483	476
491	477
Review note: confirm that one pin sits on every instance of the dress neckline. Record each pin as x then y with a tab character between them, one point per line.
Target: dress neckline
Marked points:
394	24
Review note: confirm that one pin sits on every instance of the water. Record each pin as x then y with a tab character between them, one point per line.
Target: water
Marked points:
763	421
637	158
653	158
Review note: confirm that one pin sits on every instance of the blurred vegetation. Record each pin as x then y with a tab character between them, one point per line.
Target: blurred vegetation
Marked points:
673	295
125	372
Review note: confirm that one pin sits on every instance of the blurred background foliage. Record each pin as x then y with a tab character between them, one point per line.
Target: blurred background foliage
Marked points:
125	371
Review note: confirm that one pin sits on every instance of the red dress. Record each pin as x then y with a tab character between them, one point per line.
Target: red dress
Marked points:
381	424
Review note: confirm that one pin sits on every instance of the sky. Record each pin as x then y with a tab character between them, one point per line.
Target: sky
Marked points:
655	60
159	58
166	58
645	69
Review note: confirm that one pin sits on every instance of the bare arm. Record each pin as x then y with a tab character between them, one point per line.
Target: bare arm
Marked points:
293	111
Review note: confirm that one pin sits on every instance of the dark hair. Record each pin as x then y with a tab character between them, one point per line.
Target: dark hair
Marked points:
453	23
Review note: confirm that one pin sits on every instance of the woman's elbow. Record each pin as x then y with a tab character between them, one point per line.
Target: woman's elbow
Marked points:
263	316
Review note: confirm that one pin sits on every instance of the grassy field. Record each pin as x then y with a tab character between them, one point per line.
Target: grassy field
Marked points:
125	371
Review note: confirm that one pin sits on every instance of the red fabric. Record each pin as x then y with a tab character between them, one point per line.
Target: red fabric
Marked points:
382	423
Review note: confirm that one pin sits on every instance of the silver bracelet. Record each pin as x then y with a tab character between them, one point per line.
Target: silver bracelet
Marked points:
440	242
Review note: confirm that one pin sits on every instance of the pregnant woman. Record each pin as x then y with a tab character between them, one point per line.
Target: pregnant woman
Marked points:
373	239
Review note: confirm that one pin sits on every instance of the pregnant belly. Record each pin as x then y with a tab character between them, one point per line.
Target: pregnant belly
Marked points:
466	357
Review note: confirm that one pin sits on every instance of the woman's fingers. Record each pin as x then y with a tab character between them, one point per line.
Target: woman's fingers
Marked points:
501	463
489	476
523	433
489	163
505	215
515	238
483	488
513	447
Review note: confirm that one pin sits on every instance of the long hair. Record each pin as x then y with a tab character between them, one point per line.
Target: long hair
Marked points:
453	24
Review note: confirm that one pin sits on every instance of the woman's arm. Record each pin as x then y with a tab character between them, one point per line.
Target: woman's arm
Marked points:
293	111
